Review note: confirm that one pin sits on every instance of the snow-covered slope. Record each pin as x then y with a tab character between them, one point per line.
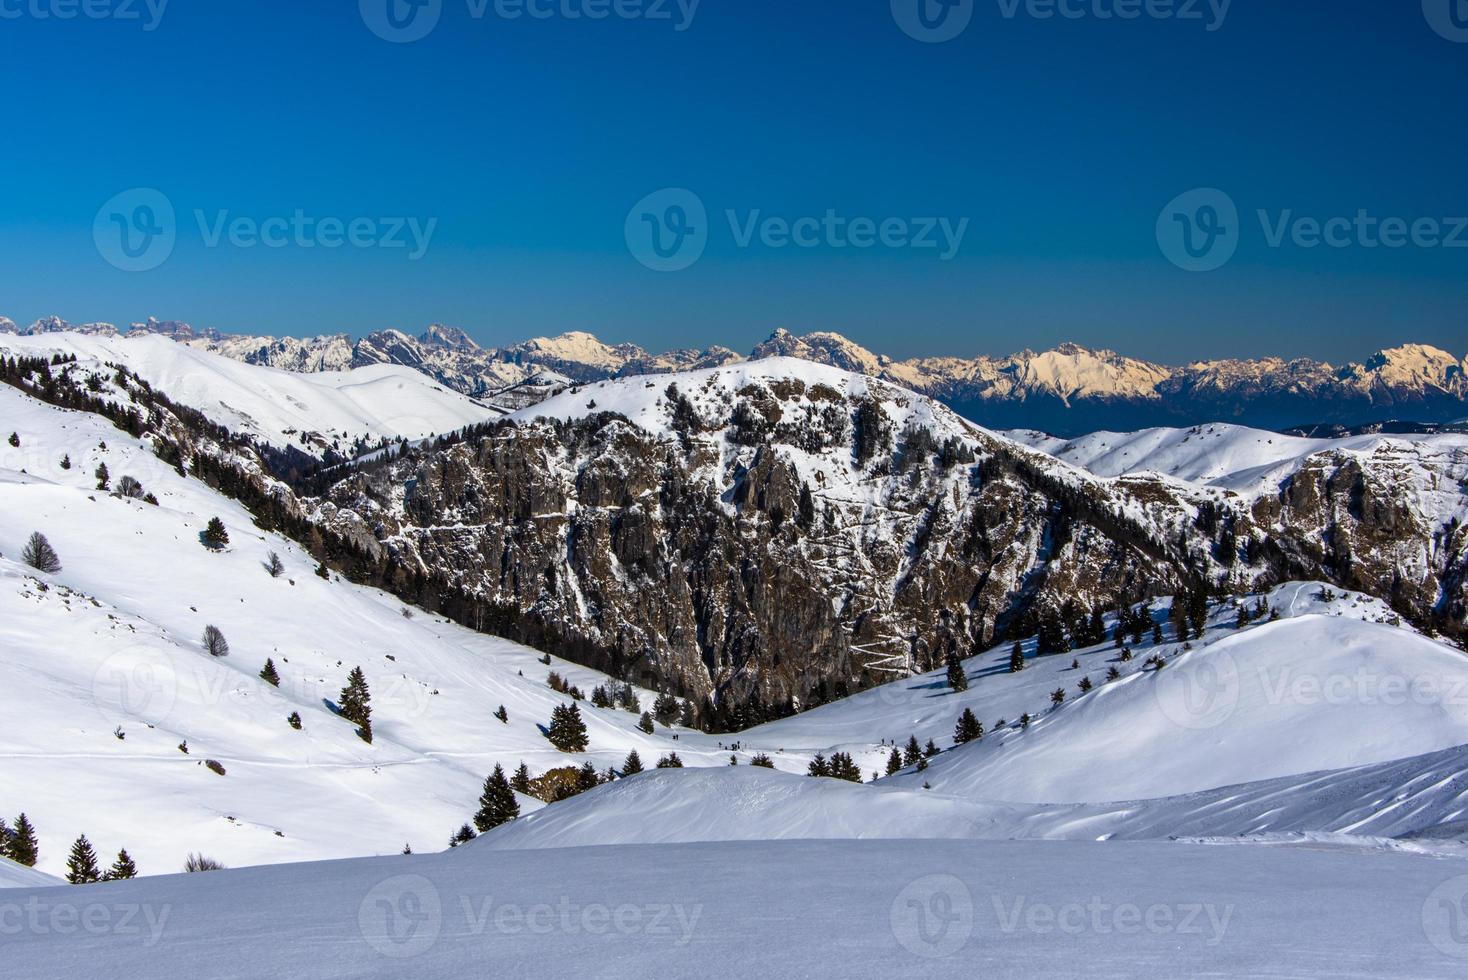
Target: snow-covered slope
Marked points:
14	875
112	642
1247	461
855	909
1312	693
1424	798
278	407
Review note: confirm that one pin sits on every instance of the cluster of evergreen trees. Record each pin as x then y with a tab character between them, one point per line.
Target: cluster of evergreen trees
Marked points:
839	766
19	843
82	869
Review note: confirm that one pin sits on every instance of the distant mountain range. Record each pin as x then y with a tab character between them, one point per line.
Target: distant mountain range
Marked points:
1068	391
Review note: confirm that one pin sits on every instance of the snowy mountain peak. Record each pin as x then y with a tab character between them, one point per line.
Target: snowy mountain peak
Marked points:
54	324
451	337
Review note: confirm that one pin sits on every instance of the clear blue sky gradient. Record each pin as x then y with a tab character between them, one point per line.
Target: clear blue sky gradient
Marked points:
529	141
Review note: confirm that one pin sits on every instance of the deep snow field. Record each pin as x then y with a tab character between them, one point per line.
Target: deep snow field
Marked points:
1285	799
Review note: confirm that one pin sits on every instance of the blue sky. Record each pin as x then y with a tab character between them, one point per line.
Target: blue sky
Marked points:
524	143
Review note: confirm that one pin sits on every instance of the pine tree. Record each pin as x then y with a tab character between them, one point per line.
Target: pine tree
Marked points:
274	565
81	865
1017	658
462	836
956	678
670	761
1057	696
295	720
844	767
268	673
1156	633
913	754
502	714
122	869
1085	685
1024	721
215	536
1112	673
15	440
104	479
23	846
586	777
645	723
567	731
818	766
633	765
1243	619
762	761
355	704
39	554
894	762
66	461
1052	637
497	804
520	782
968	729
931	749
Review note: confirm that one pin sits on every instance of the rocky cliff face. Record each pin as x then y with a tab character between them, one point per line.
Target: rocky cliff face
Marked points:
766	536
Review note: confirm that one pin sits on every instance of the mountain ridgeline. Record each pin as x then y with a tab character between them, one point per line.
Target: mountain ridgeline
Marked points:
765	536
1068	391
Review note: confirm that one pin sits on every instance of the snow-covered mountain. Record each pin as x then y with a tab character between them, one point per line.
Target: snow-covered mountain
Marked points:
1070	390
659	527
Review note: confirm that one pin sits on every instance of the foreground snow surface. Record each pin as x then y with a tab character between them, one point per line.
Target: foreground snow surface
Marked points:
850	909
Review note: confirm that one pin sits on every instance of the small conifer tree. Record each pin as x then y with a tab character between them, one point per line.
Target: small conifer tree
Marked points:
81	864
268	673
497	804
